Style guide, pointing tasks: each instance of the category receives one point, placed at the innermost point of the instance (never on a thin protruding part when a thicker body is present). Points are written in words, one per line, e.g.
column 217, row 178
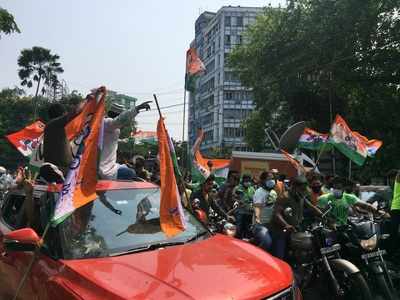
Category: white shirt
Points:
column 265, row 199
column 108, row 167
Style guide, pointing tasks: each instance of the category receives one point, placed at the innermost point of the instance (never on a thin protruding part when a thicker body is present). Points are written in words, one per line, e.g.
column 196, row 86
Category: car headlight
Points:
column 369, row 244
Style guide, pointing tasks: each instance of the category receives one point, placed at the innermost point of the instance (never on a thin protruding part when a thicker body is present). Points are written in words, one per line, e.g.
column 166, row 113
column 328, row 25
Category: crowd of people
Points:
column 257, row 205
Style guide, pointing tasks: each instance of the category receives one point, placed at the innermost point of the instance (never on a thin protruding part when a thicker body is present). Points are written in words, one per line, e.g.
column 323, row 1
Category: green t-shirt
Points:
column 396, row 196
column 340, row 207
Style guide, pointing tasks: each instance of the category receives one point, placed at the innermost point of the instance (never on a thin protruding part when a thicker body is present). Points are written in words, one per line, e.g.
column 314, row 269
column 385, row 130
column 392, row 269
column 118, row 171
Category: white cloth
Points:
column 108, row 168
column 265, row 200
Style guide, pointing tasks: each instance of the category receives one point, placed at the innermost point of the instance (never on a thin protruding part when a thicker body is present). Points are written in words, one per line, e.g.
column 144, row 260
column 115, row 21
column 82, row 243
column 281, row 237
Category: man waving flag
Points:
column 171, row 211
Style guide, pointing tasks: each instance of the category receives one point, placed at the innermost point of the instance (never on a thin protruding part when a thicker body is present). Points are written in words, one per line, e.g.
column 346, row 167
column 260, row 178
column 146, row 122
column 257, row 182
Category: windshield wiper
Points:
column 148, row 248
column 196, row 236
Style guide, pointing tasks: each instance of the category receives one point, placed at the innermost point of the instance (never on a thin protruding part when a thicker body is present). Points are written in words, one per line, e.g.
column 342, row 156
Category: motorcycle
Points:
column 315, row 257
column 360, row 240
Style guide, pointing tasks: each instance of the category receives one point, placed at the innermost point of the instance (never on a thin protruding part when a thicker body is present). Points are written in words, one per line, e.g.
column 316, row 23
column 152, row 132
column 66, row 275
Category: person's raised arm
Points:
column 127, row 116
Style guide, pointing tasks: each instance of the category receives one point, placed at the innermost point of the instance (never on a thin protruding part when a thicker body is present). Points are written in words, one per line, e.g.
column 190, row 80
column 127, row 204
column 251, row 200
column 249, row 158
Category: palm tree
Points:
column 38, row 64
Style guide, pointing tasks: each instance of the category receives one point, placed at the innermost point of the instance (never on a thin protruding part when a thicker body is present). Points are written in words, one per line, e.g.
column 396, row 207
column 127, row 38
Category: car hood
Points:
column 215, row 268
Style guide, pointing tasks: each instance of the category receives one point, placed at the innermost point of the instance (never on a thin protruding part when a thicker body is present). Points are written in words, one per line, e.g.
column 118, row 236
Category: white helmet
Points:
column 2, row 170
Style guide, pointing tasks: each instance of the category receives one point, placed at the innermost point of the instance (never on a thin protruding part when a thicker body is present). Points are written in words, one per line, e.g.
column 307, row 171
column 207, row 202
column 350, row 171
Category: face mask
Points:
column 270, row 184
column 316, row 189
column 337, row 193
column 246, row 184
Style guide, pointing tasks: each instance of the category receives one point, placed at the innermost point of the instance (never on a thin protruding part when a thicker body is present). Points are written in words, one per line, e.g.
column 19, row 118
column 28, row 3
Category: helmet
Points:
column 2, row 170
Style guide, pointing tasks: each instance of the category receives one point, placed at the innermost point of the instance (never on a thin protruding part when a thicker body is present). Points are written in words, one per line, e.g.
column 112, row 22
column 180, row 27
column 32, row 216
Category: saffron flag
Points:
column 293, row 161
column 171, row 211
column 203, row 167
column 27, row 139
column 194, row 66
column 79, row 187
column 313, row 140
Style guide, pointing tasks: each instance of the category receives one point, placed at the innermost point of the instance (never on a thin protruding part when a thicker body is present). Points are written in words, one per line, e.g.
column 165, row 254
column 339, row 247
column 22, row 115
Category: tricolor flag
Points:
column 350, row 143
column 203, row 167
column 145, row 137
column 171, row 212
column 27, row 139
column 313, row 140
column 372, row 145
column 194, row 66
column 79, row 187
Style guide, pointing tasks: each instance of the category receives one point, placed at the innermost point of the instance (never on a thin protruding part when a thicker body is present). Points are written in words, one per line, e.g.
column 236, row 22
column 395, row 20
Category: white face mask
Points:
column 337, row 193
column 246, row 183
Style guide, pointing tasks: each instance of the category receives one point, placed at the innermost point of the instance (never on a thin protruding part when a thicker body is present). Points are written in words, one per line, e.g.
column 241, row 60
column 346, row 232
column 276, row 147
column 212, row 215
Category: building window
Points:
column 227, row 21
column 227, row 39
column 228, row 95
column 239, row 21
column 239, row 39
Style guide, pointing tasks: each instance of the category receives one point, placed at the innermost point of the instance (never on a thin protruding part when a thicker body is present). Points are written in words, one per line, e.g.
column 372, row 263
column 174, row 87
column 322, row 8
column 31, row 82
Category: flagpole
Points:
column 180, row 179
column 349, row 169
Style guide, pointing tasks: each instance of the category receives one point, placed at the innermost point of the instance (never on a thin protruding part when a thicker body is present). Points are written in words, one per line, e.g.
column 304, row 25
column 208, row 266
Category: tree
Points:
column 7, row 23
column 39, row 65
column 313, row 59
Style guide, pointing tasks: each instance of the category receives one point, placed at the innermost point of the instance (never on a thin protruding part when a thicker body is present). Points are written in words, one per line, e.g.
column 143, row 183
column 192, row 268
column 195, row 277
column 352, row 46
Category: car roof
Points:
column 103, row 185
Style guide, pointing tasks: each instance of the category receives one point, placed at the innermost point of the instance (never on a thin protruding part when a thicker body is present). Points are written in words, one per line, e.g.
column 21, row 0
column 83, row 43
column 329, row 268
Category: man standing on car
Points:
column 117, row 118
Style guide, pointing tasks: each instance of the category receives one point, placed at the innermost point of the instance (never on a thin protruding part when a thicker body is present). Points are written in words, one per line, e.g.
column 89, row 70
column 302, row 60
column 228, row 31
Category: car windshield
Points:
column 119, row 221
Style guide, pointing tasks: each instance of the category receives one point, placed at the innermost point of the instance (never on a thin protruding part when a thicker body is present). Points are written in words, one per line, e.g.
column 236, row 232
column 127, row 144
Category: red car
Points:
column 113, row 248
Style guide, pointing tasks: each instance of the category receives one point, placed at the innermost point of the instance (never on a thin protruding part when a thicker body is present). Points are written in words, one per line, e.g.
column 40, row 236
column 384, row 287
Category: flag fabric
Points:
column 194, row 66
column 372, row 145
column 171, row 212
column 313, row 140
column 79, row 187
column 351, row 144
column 27, row 139
column 294, row 162
column 200, row 165
column 145, row 137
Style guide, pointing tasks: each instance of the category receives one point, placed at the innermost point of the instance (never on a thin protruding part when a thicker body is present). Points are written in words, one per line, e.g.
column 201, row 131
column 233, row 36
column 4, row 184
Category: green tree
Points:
column 313, row 59
column 40, row 65
column 7, row 23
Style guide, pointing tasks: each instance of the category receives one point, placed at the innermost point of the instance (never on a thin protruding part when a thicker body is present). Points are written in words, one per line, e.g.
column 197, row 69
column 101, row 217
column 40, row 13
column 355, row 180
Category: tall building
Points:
column 220, row 103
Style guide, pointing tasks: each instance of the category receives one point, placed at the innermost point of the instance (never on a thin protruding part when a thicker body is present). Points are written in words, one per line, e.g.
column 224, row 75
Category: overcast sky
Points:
column 132, row 47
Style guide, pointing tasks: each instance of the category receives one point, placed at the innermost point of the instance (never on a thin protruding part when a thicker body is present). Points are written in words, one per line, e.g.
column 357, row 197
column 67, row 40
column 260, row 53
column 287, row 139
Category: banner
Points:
column 313, row 140
column 27, row 139
column 349, row 143
column 79, row 187
column 171, row 211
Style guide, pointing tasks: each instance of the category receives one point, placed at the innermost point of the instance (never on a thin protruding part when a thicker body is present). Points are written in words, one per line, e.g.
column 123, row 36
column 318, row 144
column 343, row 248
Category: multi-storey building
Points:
column 220, row 103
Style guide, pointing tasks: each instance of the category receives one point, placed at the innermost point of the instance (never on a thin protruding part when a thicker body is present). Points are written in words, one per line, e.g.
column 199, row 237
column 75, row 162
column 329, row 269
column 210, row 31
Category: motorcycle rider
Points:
column 206, row 197
column 341, row 201
column 282, row 225
column 263, row 202
column 243, row 213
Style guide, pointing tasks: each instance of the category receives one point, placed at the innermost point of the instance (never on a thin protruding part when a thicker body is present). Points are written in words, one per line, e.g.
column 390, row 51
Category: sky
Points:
column 133, row 47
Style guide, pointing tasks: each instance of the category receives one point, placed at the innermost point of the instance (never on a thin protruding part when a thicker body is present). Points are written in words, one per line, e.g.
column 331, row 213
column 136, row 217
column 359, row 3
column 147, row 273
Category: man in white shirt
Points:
column 117, row 118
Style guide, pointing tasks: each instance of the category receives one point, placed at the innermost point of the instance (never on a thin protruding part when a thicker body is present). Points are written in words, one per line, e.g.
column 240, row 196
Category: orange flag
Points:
column 171, row 211
column 294, row 162
column 79, row 187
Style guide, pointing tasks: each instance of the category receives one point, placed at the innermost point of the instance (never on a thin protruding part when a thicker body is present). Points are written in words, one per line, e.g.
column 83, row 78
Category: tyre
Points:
column 354, row 285
column 384, row 287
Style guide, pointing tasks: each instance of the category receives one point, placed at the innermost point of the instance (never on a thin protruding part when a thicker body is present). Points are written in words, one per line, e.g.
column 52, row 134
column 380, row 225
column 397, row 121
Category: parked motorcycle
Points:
column 315, row 258
column 360, row 243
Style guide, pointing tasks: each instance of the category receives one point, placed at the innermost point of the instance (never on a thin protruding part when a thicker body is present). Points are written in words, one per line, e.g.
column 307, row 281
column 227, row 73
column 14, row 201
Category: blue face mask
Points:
column 337, row 193
column 270, row 184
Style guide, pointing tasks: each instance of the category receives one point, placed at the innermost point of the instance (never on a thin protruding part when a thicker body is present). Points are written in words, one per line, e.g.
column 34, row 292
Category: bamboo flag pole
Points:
column 180, row 179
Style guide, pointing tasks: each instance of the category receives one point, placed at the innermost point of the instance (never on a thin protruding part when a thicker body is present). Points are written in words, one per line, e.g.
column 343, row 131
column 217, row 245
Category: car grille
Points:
column 287, row 294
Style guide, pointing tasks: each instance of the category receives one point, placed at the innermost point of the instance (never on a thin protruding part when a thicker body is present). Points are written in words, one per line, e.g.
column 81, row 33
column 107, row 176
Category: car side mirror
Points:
column 25, row 239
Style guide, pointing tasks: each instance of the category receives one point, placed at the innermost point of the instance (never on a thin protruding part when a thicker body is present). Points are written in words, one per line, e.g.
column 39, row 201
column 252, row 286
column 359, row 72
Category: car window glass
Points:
column 118, row 221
